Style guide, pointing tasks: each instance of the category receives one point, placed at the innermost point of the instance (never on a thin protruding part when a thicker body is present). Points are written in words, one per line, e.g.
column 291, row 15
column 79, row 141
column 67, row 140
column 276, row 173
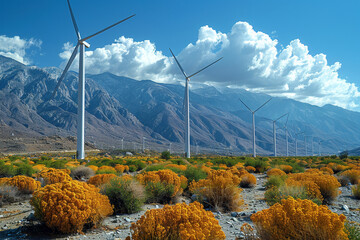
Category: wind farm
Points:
column 118, row 141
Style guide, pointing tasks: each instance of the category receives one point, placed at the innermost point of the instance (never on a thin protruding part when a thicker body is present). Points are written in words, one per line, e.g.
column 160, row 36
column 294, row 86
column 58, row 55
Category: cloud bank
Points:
column 252, row 60
column 15, row 47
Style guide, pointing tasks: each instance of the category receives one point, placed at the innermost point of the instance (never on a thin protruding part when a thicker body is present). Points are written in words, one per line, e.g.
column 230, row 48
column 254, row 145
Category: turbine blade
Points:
column 74, row 22
column 287, row 119
column 280, row 117
column 182, row 70
column 263, row 105
column 84, row 39
column 245, row 105
column 205, row 67
column 73, row 55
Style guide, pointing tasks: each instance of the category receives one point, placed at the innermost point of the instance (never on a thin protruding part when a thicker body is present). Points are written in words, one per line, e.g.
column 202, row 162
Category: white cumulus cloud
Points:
column 15, row 47
column 252, row 60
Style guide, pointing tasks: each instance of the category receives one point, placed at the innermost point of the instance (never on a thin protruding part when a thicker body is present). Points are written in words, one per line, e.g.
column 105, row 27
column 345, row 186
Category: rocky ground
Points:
column 17, row 220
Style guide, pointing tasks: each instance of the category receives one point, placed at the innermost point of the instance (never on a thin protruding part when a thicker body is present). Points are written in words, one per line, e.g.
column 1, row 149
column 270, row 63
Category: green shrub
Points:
column 193, row 173
column 159, row 192
column 127, row 196
column 165, row 155
column 275, row 181
column 106, row 171
column 259, row 163
column 154, row 167
column 6, row 170
column 276, row 194
column 25, row 169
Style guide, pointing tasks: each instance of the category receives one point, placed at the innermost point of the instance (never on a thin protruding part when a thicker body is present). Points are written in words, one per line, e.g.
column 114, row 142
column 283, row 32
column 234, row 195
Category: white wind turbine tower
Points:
column 80, row 153
column 274, row 132
column 186, row 100
column 253, row 122
column 296, row 143
column 286, row 136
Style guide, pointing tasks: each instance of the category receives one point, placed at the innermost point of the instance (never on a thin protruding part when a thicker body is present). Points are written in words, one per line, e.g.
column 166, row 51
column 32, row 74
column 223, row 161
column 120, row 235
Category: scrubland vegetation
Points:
column 70, row 196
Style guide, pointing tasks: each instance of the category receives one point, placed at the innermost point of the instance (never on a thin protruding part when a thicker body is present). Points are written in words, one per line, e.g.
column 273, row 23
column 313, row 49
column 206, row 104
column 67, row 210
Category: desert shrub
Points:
column 121, row 168
column 58, row 164
column 259, row 164
column 93, row 167
column 336, row 167
column 299, row 219
column 327, row 170
column 352, row 229
column 248, row 181
column 154, row 167
column 165, row 155
column 343, row 180
column 353, row 175
column 328, row 185
column 180, row 221
column 286, row 168
column 194, row 174
column 135, row 165
column 69, row 206
column 24, row 169
column 82, row 172
column 127, row 196
column 275, row 181
column 159, row 192
column 166, row 177
column 312, row 189
column 276, row 194
column 106, row 170
column 52, row 175
column 100, row 179
column 9, row 194
column 219, row 190
column 182, row 168
column 6, row 170
column 356, row 191
column 275, row 171
column 250, row 169
column 24, row 184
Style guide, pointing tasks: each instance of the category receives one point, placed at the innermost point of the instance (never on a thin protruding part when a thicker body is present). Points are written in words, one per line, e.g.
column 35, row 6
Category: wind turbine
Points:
column 186, row 99
column 286, row 136
column 253, row 122
column 274, row 132
column 80, row 153
column 296, row 145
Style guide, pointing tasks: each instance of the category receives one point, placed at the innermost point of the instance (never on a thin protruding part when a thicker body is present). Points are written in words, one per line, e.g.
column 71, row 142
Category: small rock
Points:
column 1, row 216
column 234, row 214
column 31, row 217
column 345, row 208
column 4, row 228
column 156, row 206
column 235, row 219
column 127, row 220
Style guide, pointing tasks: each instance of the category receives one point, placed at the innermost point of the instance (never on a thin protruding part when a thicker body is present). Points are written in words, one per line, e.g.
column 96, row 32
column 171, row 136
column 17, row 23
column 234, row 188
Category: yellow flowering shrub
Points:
column 298, row 220
column 68, row 206
column 275, row 171
column 250, row 169
column 100, row 179
column 286, row 168
column 327, row 170
column 39, row 167
column 180, row 221
column 219, row 190
column 206, row 169
column 164, row 176
column 4, row 180
column 248, row 181
column 23, row 183
column 328, row 185
column 121, row 168
column 312, row 189
column 336, row 167
column 53, row 175
column 106, row 169
column 93, row 167
column 353, row 175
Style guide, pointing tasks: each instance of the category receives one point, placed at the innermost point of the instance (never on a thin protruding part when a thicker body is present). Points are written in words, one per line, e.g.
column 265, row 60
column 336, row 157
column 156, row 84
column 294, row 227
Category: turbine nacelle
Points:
column 86, row 44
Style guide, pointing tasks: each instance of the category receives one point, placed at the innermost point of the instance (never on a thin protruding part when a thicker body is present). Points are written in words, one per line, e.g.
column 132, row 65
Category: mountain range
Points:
column 122, row 108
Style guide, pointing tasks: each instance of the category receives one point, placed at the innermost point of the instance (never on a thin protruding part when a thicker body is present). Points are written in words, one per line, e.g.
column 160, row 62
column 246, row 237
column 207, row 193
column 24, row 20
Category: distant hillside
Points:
column 119, row 107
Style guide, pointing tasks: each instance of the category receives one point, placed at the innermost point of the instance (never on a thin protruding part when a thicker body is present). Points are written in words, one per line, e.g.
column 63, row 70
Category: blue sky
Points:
column 322, row 27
